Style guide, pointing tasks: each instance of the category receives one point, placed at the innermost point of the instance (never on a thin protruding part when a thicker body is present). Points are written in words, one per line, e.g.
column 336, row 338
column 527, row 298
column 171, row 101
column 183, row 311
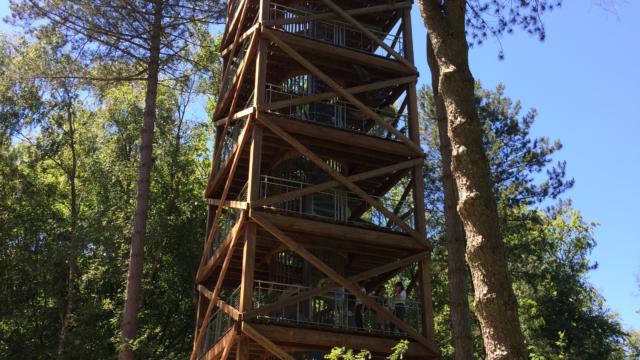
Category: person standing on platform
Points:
column 398, row 301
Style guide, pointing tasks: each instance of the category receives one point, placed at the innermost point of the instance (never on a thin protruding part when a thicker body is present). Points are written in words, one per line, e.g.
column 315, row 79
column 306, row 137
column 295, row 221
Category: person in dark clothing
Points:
column 359, row 311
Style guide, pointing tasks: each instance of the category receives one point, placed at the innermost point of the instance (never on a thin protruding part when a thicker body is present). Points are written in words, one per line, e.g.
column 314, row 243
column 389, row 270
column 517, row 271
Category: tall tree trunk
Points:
column 454, row 230
column 133, row 294
column 74, row 248
column 495, row 302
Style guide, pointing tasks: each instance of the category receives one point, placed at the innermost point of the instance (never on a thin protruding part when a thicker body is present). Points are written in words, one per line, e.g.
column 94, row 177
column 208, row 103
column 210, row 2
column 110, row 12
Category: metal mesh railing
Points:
column 333, row 204
column 229, row 141
column 219, row 323
column 227, row 82
column 335, row 309
column 336, row 113
column 334, row 32
column 228, row 220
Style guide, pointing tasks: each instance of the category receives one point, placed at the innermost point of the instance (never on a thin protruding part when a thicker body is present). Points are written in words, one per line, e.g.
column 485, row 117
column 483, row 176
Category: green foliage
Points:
column 36, row 213
column 398, row 351
column 342, row 353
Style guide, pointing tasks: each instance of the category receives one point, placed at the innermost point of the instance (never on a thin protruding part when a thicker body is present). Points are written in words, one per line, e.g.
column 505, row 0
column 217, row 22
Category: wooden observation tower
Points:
column 316, row 198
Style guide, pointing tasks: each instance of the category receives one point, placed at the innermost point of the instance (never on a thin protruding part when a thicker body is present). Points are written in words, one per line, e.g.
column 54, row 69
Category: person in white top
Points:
column 398, row 301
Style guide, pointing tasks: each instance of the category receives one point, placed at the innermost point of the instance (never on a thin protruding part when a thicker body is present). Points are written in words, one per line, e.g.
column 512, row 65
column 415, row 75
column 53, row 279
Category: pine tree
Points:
column 151, row 37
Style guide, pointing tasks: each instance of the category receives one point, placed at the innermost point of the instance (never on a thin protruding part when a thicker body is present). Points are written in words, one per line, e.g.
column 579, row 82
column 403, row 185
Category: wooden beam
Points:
column 232, row 171
column 248, row 268
column 238, row 115
column 231, row 25
column 227, row 349
column 234, row 46
column 343, row 282
column 215, row 177
column 360, row 236
column 218, row 148
column 396, row 38
column 403, row 197
column 218, row 348
column 338, row 10
column 311, row 339
column 321, row 290
column 340, row 90
column 331, row 136
column 238, row 78
column 225, row 51
column 329, row 15
column 382, row 190
column 331, row 184
column 242, row 205
column 424, row 267
column 221, row 250
column 230, row 310
column 341, row 178
column 331, row 94
column 344, row 54
column 216, row 293
column 265, row 342
column 200, row 309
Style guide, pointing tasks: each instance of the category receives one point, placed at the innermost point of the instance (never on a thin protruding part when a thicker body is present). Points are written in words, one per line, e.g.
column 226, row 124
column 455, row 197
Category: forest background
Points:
column 583, row 98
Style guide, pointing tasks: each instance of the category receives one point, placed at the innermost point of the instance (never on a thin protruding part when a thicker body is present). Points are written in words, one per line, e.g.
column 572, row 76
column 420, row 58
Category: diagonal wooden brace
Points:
column 340, row 280
column 216, row 292
column 321, row 290
column 265, row 342
column 331, row 184
column 331, row 94
column 330, row 14
column 230, row 310
column 234, row 165
column 204, row 272
column 223, row 103
column 227, row 349
column 340, row 90
column 341, row 179
column 338, row 10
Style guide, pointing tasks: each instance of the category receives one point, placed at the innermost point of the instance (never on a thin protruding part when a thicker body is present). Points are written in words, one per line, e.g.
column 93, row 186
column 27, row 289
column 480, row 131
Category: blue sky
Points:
column 584, row 81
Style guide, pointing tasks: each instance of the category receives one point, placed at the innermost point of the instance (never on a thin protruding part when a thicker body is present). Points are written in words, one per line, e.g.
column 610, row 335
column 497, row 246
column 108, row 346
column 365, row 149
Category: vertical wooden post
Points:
column 253, row 183
column 424, row 266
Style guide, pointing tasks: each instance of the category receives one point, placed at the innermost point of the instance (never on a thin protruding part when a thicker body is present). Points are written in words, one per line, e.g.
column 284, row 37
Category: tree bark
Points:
column 74, row 245
column 133, row 292
column 454, row 230
column 495, row 302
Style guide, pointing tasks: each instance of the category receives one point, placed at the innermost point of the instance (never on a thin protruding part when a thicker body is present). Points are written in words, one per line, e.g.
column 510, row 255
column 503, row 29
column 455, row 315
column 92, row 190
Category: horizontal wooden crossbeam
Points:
column 341, row 178
column 340, row 90
column 230, row 310
column 216, row 292
column 331, row 94
column 324, row 289
column 338, row 10
column 331, row 184
column 340, row 280
column 242, row 205
column 242, row 140
column 221, row 251
column 239, row 115
column 265, row 342
column 329, row 15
